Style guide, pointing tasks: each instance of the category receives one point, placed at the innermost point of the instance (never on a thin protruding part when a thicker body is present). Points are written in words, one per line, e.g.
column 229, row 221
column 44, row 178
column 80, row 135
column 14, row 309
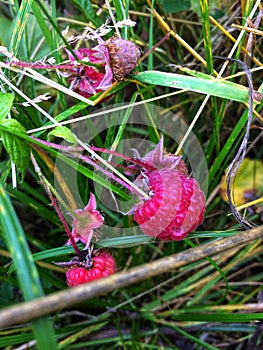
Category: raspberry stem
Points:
column 63, row 66
column 123, row 181
column 47, row 186
column 142, row 163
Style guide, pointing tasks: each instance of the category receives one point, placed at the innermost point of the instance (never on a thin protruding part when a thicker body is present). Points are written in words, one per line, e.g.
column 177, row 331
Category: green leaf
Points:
column 26, row 270
column 18, row 149
column 6, row 30
column 63, row 132
column 6, row 102
column 209, row 85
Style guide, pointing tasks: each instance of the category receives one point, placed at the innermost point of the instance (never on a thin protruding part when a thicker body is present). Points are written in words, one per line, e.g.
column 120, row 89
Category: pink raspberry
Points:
column 103, row 265
column 175, row 207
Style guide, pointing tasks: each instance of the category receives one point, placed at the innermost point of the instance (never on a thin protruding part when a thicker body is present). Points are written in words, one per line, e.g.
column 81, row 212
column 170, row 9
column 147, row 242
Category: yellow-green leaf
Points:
column 249, row 180
column 208, row 85
column 6, row 102
column 17, row 148
column 63, row 132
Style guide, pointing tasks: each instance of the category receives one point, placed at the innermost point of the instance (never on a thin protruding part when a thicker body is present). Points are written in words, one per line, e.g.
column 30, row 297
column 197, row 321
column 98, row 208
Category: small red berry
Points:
column 102, row 265
column 175, row 207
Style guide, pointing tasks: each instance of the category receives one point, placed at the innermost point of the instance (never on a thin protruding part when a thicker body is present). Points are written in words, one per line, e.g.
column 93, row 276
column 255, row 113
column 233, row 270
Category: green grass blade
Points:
column 122, row 14
column 219, row 317
column 42, row 208
column 52, row 39
column 207, row 35
column 123, row 125
column 14, row 339
column 43, row 26
column 119, row 9
column 21, row 21
column 26, row 270
column 209, row 86
column 230, row 144
column 151, row 38
column 188, row 335
column 204, row 6
column 15, row 239
column 212, row 281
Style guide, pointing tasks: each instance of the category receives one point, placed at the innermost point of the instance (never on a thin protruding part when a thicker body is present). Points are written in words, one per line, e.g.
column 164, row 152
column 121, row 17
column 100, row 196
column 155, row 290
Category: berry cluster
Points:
column 174, row 207
column 93, row 70
column 88, row 265
column 175, row 203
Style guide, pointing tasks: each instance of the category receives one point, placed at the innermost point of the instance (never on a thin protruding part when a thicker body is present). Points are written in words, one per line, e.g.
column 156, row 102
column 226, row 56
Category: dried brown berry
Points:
column 124, row 55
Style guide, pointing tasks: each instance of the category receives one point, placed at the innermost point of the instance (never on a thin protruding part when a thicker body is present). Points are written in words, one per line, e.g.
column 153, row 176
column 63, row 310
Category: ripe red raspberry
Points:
column 175, row 207
column 103, row 265
column 124, row 55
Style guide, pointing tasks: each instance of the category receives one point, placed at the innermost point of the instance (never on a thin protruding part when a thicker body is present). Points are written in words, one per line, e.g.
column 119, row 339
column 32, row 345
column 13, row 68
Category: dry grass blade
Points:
column 228, row 35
